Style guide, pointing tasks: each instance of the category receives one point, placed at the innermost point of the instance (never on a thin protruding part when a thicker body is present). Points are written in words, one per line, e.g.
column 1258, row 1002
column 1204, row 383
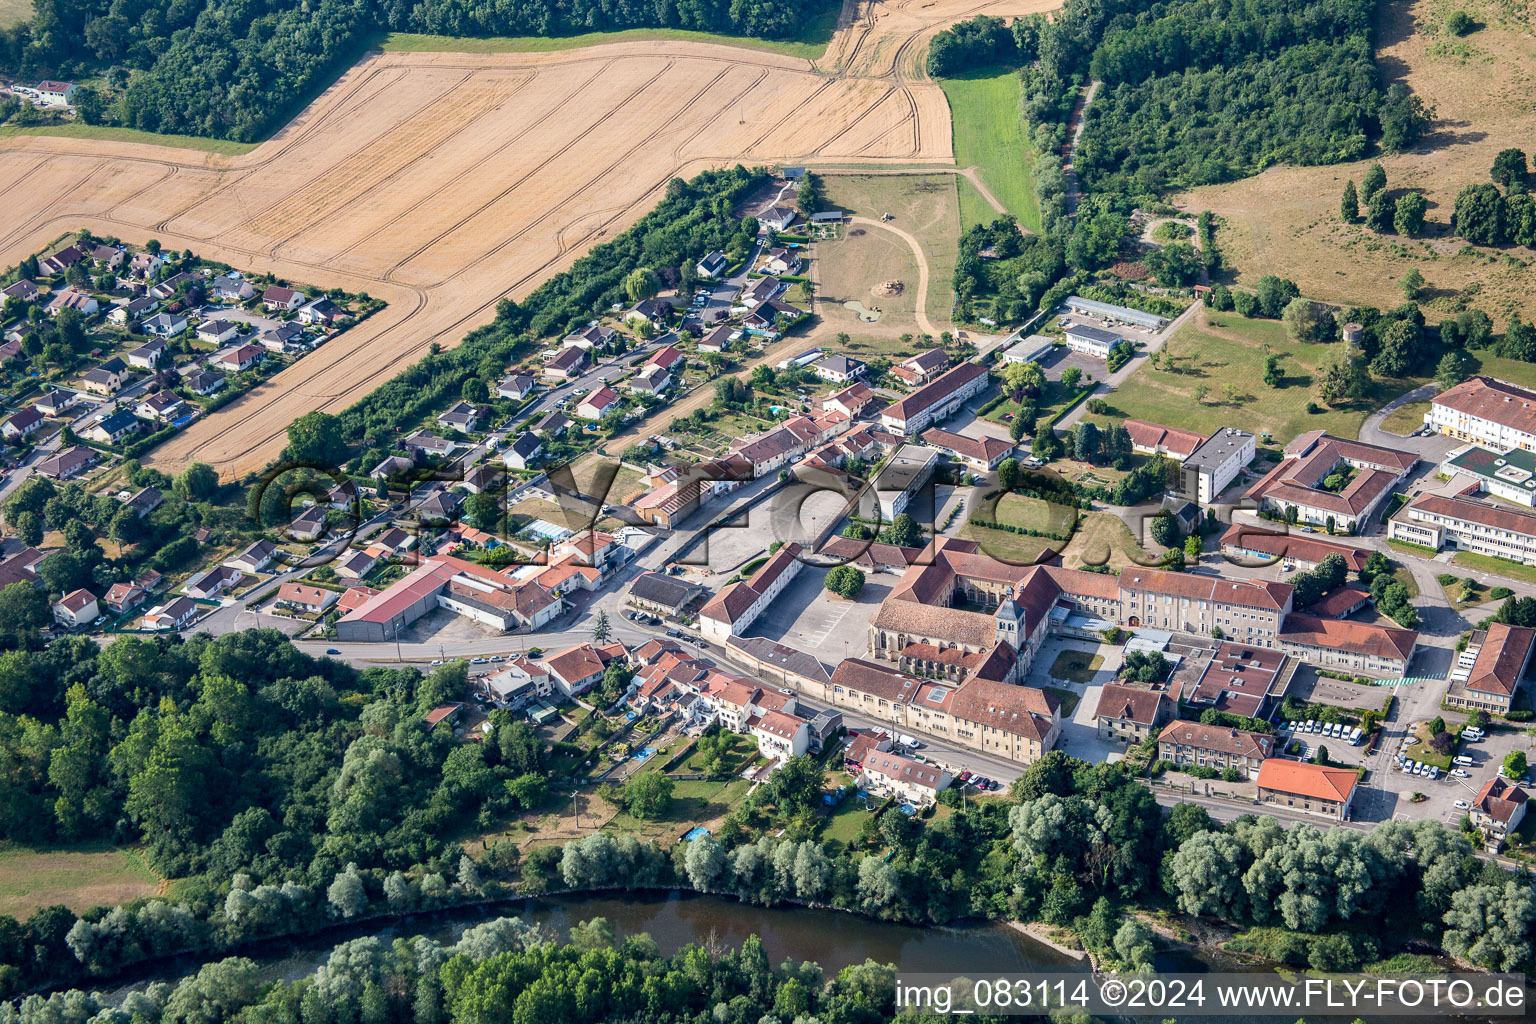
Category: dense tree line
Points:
column 693, row 218
column 1485, row 216
column 241, row 756
column 978, row 43
column 237, row 70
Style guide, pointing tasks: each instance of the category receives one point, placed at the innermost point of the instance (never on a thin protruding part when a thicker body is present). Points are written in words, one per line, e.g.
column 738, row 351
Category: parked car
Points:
column 1462, row 805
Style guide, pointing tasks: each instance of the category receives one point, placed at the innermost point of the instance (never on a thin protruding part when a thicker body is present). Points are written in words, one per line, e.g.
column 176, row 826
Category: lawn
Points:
column 1497, row 566
column 694, row 802
column 810, row 43
column 1013, row 548
column 843, row 824
column 1406, row 418
column 1419, row 749
column 984, row 111
column 80, row 878
column 1402, row 575
column 1453, row 593
column 1035, row 514
column 1076, row 666
column 110, row 133
column 1067, row 698
column 1218, row 381
column 1055, row 401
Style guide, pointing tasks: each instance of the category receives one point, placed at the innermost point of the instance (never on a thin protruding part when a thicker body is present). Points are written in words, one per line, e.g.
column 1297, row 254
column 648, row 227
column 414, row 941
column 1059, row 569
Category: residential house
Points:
column 282, row 339
column 594, row 336
column 921, row 368
column 515, row 386
column 75, row 609
column 254, row 558
column 522, row 451
column 577, row 669
column 58, row 262
column 108, row 256
column 308, row 525
column 555, row 424
column 425, row 444
column 209, row 584
column 780, row 261
column 717, row 340
column 760, row 290
column 315, row 600
column 1313, row 788
column 69, row 463
column 777, row 218
column 56, row 402
column 321, row 312
column 567, row 364
column 713, row 264
column 174, row 614
column 1130, row 714
column 148, row 355
column 358, row 562
column 1218, row 747
column 72, row 298
column 392, row 466
column 598, row 404
column 1498, row 810
column 657, row 311
column 24, row 290
column 463, row 417
column 144, row 501
column 113, row 428
column 218, row 332
column 106, row 379
column 145, row 266
column 850, row 401
column 21, row 424
column 838, row 369
column 910, row 782
column 165, row 325
column 124, row 313
column 230, row 287
column 173, row 285
column 237, row 359
column 203, row 382
column 161, row 407
column 124, row 597
column 652, row 379
column 780, row 736
column 486, row 478
column 58, row 94
column 279, row 298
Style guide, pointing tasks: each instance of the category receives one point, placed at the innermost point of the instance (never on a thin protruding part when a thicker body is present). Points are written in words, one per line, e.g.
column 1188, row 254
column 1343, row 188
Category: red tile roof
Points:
column 1172, row 439
column 1502, row 659
column 1345, row 635
column 1310, row 780
column 1127, row 703
column 1492, row 400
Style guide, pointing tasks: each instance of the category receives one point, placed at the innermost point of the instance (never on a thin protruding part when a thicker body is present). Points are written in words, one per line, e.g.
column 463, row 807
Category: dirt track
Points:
column 441, row 182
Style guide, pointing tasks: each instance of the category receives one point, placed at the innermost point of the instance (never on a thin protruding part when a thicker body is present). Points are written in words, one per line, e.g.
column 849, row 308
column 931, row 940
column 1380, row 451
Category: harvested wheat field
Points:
column 441, row 182
column 1483, row 88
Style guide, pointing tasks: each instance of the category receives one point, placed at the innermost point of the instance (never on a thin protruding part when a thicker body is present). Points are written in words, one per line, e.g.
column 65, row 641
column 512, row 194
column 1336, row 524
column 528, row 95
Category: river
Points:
column 830, row 938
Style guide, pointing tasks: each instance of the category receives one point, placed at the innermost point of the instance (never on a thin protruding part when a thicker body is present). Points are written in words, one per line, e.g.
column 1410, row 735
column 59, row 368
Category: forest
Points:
column 1195, row 93
column 238, row 69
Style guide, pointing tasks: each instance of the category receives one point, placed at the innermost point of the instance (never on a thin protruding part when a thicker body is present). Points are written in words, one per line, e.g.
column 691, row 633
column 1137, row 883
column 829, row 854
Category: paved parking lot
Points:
column 1058, row 360
column 810, row 619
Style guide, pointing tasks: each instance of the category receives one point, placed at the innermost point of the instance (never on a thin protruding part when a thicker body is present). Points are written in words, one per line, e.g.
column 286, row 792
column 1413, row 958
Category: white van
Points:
column 1355, row 736
column 1472, row 732
column 1461, row 759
